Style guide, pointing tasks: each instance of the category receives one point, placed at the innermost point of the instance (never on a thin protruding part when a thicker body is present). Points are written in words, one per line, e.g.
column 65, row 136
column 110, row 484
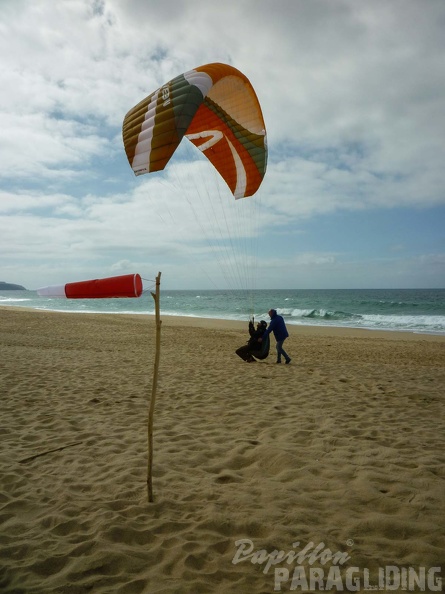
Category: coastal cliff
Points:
column 10, row 287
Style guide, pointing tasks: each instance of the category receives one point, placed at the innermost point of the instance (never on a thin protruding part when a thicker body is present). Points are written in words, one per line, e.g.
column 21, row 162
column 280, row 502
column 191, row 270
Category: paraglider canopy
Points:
column 216, row 108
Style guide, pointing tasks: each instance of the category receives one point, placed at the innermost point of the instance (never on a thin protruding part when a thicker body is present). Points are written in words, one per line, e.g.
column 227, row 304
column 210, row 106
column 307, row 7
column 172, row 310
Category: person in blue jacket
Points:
column 278, row 327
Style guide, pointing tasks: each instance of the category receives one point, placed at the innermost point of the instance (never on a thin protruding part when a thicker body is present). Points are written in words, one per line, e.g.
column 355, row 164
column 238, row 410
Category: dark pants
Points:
column 281, row 351
column 246, row 352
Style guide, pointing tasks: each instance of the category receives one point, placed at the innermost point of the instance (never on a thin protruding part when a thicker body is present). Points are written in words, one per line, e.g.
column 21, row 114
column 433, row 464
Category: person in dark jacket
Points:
column 254, row 346
column 278, row 327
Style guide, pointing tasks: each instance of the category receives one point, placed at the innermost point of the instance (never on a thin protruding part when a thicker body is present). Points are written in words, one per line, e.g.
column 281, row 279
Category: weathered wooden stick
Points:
column 70, row 445
column 151, row 409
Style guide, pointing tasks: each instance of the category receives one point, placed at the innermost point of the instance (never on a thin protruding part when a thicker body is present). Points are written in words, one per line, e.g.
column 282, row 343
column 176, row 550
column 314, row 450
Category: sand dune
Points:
column 344, row 447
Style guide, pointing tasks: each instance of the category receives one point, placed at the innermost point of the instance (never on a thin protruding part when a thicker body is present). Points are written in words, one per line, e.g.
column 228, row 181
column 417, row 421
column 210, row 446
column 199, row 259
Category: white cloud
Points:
column 352, row 94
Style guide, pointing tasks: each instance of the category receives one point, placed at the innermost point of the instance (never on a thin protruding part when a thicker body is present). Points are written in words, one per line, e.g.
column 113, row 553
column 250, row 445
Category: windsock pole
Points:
column 151, row 409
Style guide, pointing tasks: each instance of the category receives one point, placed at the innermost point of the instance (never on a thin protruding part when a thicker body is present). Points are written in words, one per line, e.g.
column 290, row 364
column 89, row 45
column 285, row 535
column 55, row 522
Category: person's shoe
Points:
column 288, row 361
column 278, row 361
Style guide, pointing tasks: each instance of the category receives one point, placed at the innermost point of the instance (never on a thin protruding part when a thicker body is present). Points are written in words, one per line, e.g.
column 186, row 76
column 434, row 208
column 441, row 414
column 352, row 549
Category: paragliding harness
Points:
column 263, row 353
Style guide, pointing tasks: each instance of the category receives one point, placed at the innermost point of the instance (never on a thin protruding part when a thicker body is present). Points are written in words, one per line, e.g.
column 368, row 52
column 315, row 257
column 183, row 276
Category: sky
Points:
column 353, row 97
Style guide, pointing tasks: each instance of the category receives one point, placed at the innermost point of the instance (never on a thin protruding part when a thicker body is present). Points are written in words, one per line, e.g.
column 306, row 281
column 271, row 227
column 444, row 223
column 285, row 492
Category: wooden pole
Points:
column 151, row 409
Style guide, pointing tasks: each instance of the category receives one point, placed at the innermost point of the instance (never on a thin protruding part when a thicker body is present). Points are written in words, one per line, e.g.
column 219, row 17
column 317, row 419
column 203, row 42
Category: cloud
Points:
column 352, row 94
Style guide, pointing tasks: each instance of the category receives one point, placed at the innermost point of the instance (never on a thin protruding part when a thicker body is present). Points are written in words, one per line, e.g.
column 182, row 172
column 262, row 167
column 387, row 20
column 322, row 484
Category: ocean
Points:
column 409, row 310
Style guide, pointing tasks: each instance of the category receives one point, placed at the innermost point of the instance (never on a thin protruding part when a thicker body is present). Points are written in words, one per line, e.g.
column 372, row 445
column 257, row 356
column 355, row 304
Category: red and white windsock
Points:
column 129, row 285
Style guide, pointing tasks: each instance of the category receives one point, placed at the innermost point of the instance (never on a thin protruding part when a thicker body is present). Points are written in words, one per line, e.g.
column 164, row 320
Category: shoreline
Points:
column 225, row 324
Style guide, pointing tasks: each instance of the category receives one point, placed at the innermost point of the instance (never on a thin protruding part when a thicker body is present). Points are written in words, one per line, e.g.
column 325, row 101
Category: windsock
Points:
column 129, row 285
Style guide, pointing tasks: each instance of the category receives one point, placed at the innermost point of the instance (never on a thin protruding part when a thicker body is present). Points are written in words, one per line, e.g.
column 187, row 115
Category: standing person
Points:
column 254, row 347
column 278, row 327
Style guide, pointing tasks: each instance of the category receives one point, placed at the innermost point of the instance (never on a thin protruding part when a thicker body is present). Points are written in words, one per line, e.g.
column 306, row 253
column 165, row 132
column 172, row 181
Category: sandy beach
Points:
column 344, row 449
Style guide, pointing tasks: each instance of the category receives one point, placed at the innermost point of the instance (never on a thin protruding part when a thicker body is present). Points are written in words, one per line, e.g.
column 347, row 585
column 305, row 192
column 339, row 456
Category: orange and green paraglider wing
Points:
column 217, row 109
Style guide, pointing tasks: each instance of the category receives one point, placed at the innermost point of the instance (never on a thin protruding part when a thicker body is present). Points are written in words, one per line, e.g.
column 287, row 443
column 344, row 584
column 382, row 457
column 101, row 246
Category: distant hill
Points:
column 10, row 287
